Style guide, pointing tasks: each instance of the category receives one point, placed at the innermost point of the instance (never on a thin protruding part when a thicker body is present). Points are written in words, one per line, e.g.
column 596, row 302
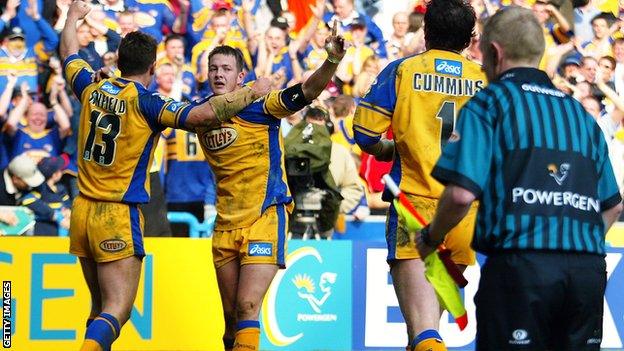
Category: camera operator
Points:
column 337, row 178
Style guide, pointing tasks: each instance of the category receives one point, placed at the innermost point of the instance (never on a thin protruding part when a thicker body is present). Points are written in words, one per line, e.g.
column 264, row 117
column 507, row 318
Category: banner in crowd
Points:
column 177, row 307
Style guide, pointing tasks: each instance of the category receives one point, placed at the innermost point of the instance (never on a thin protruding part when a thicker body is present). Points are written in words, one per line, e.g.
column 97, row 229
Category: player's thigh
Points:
column 584, row 313
column 119, row 281
column 78, row 239
column 518, row 302
column 115, row 231
column 264, row 242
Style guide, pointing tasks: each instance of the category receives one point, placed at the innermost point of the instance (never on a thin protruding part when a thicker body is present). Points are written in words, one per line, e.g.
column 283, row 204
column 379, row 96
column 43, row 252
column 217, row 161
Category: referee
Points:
column 538, row 164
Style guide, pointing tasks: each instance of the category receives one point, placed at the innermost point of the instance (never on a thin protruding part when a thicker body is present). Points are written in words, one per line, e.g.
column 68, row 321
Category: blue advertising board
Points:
column 308, row 304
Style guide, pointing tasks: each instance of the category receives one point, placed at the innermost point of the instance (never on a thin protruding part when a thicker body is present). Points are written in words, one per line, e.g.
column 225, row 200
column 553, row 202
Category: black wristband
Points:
column 426, row 238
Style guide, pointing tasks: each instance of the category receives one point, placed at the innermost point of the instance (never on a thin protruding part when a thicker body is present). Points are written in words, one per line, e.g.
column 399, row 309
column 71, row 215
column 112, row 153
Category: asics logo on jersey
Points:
column 451, row 67
column 109, row 88
column 219, row 139
column 260, row 249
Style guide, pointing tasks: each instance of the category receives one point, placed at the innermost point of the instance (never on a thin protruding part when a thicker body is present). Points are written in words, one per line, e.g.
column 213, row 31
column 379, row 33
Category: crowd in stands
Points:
column 280, row 39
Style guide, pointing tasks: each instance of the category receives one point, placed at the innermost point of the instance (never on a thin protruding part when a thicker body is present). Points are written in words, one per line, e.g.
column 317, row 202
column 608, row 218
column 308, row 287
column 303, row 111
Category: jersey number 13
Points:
column 102, row 153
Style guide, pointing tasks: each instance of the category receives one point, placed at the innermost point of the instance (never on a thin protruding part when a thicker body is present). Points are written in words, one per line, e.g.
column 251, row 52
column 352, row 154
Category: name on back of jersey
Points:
column 107, row 103
column 444, row 84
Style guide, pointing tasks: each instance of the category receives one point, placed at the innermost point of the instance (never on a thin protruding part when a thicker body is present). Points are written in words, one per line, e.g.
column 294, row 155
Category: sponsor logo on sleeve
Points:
column 451, row 67
column 110, row 88
column 175, row 106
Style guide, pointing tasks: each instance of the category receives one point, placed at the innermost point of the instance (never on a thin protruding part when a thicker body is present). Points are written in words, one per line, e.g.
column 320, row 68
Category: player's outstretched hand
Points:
column 78, row 9
column 261, row 87
column 335, row 45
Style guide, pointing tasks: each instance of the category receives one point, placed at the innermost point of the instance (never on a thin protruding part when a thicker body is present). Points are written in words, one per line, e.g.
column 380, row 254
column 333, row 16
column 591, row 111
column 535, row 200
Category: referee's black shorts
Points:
column 535, row 300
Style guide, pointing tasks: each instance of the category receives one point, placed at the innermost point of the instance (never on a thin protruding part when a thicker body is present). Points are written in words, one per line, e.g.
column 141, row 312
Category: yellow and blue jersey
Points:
column 35, row 145
column 418, row 97
column 120, row 123
column 343, row 135
column 246, row 155
column 152, row 15
column 189, row 177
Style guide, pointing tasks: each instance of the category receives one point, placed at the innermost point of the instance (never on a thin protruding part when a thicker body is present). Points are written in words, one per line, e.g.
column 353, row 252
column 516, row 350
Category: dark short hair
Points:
column 316, row 113
column 137, row 52
column 449, row 24
column 229, row 51
column 174, row 36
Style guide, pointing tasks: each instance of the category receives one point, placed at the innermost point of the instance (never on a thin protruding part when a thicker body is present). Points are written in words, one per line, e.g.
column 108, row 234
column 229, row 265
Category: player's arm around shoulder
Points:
column 218, row 109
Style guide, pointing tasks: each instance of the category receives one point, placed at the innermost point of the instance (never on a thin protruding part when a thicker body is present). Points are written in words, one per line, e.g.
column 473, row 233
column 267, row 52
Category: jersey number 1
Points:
column 446, row 115
column 103, row 153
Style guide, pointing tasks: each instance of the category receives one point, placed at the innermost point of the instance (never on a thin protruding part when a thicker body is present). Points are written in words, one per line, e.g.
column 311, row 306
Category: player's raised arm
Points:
column 69, row 39
column 221, row 108
column 335, row 47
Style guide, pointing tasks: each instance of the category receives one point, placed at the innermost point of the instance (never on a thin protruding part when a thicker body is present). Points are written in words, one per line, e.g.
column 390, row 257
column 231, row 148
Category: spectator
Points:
column 343, row 109
column 17, row 58
column 166, row 84
column 399, row 43
column 175, row 56
column 583, row 16
column 345, row 14
column 556, row 28
column 105, row 37
column 113, row 8
column 127, row 23
column 152, row 16
column 363, row 81
column 600, row 43
column 34, row 138
column 618, row 54
column 357, row 53
column 50, row 202
column 273, row 55
column 220, row 32
column 87, row 46
column 19, row 177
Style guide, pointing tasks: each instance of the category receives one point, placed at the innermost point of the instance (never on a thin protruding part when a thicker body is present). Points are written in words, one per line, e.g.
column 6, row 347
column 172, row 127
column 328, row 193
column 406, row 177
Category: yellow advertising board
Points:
column 177, row 307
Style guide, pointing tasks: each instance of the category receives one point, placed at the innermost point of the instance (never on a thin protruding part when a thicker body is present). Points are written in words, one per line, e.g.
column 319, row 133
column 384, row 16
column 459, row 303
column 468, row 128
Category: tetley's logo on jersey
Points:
column 219, row 139
column 451, row 67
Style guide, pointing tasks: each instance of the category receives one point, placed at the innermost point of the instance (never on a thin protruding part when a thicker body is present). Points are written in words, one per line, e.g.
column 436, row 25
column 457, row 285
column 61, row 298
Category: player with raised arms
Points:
column 247, row 157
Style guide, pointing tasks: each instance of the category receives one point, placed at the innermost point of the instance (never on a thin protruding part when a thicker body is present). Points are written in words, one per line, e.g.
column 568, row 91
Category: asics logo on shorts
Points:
column 451, row 67
column 113, row 245
column 260, row 249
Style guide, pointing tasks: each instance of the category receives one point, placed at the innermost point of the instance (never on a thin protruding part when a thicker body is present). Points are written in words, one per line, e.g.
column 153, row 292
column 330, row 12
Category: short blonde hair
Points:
column 518, row 32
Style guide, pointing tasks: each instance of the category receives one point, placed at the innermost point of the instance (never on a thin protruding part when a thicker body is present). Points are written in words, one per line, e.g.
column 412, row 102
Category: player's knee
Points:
column 246, row 309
